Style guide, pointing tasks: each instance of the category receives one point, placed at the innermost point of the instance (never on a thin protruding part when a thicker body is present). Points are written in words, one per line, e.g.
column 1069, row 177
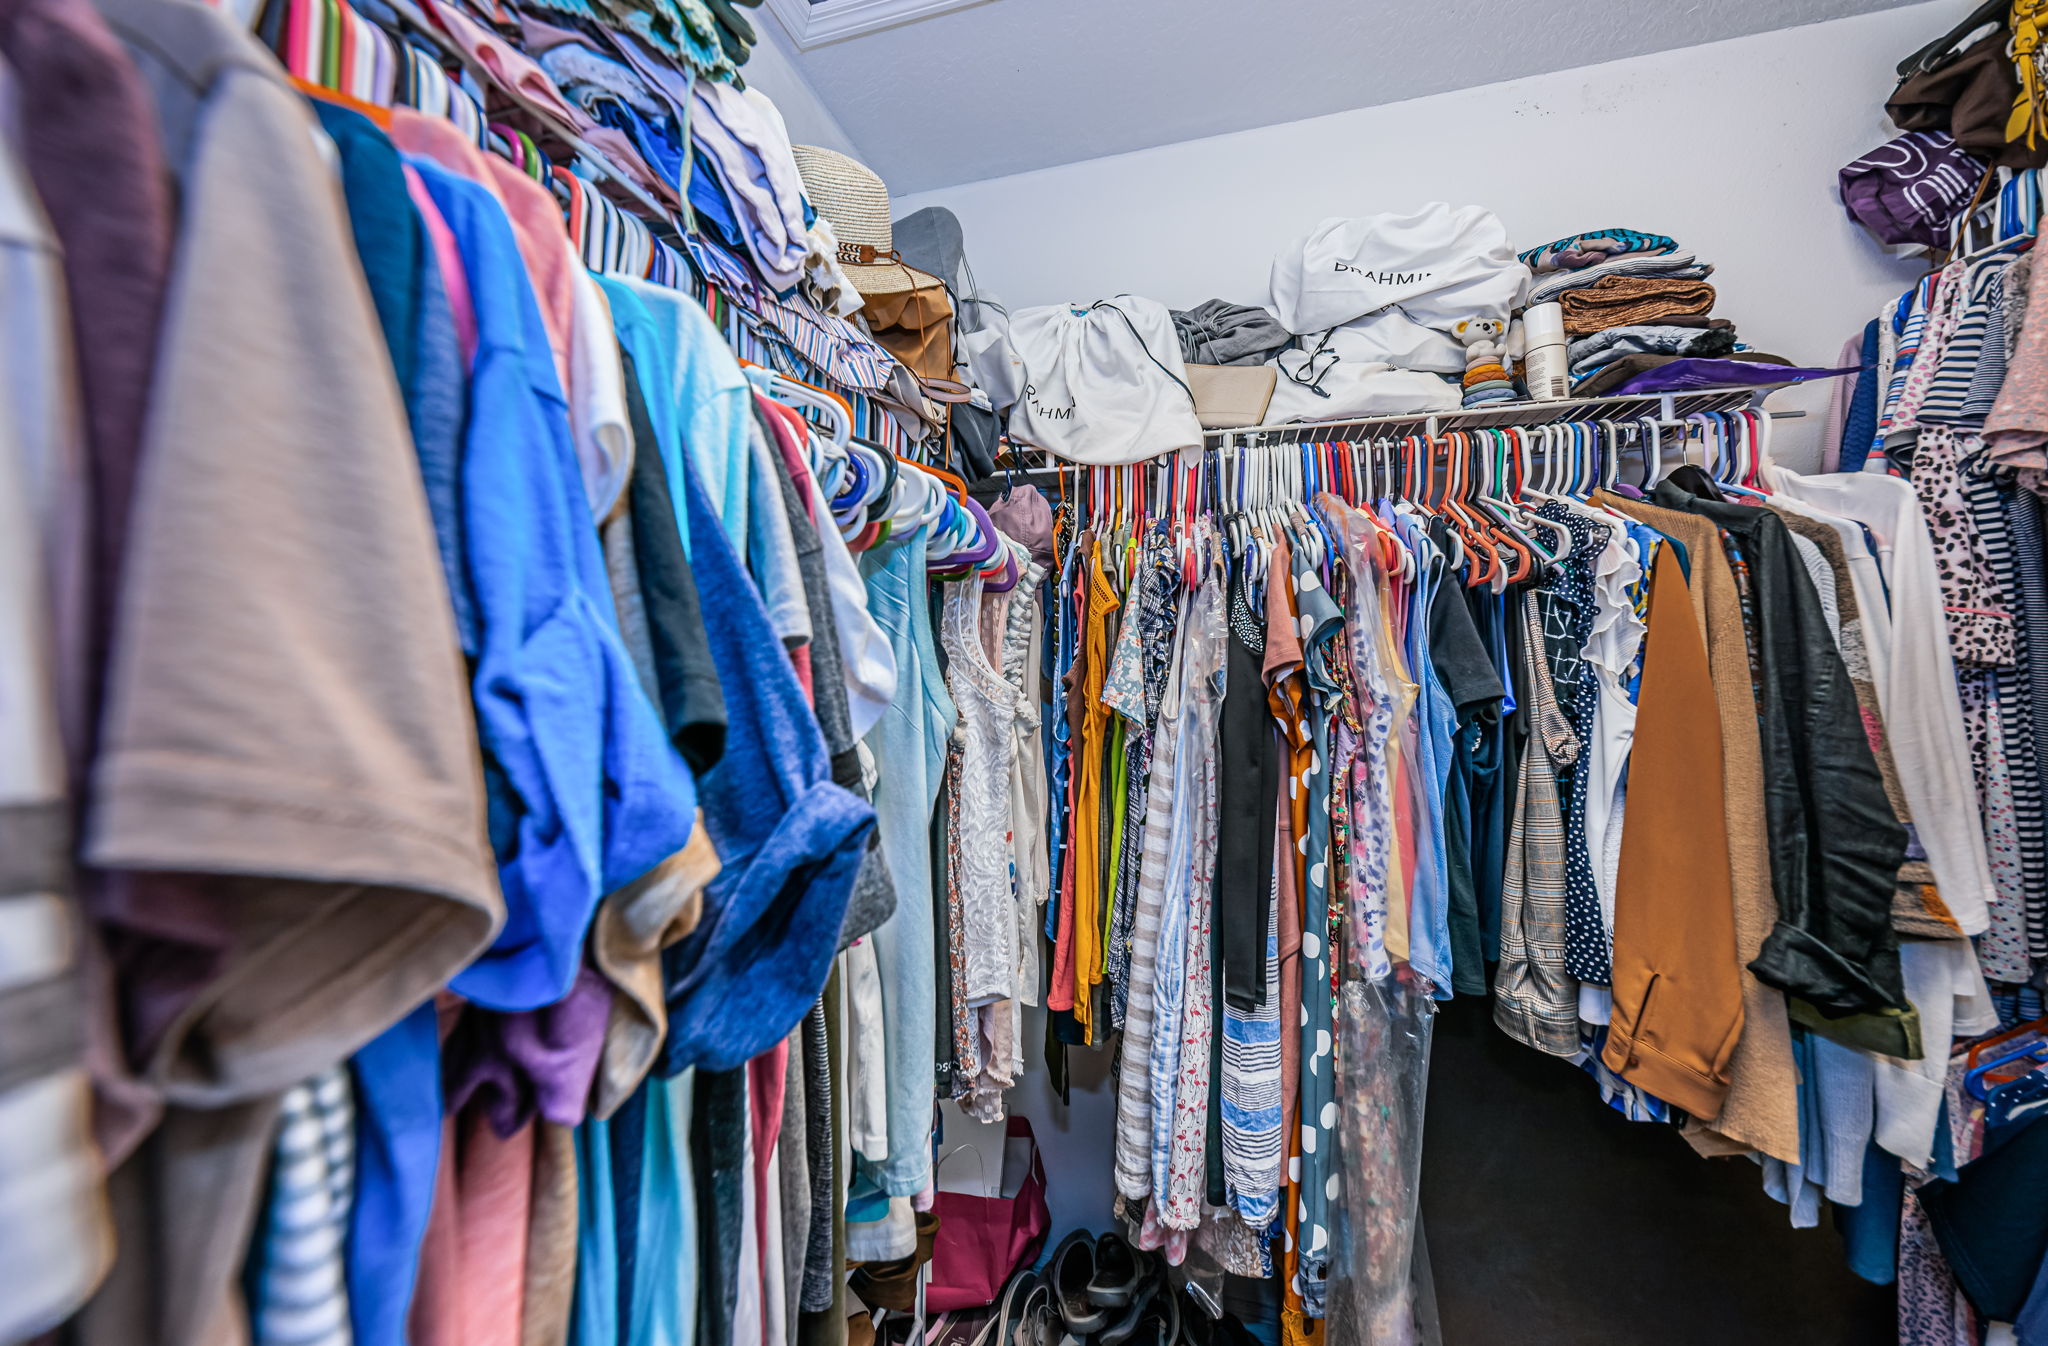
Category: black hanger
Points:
column 1938, row 53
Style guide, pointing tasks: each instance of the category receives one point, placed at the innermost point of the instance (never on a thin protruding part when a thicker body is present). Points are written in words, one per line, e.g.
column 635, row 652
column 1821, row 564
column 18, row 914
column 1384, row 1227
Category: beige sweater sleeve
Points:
column 288, row 714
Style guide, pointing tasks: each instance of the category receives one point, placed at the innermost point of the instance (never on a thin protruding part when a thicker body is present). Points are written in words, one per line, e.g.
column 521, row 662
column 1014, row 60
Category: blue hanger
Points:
column 1973, row 1080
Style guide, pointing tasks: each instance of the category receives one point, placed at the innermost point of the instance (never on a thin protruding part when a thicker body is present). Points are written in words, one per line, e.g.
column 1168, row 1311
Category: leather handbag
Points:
column 1229, row 396
column 915, row 325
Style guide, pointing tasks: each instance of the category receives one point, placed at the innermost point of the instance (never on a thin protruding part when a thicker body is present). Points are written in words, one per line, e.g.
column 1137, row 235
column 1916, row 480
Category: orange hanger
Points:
column 1468, row 526
column 578, row 212
column 959, row 486
column 379, row 115
column 1501, row 544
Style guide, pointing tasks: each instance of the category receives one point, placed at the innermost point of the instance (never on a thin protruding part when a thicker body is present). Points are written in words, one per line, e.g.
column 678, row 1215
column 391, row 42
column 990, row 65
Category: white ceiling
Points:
column 1012, row 85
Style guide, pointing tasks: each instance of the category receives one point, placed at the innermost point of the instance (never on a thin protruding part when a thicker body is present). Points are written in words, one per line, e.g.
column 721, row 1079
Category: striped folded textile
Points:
column 1583, row 250
column 1557, row 283
column 1633, row 301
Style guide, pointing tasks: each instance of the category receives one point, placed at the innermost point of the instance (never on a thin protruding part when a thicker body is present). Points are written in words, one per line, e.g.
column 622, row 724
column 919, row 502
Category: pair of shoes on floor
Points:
column 1104, row 1292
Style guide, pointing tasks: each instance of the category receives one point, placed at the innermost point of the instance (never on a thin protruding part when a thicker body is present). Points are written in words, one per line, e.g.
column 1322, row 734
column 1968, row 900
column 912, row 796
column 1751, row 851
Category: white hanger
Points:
column 838, row 422
column 1551, row 526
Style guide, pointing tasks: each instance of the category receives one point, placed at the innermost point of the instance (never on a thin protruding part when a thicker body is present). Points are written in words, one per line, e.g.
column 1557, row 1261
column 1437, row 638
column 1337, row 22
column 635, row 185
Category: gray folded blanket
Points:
column 1218, row 332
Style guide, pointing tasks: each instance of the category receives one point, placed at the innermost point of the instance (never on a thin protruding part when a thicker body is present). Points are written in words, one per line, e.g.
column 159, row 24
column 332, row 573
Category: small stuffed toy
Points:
column 1486, row 375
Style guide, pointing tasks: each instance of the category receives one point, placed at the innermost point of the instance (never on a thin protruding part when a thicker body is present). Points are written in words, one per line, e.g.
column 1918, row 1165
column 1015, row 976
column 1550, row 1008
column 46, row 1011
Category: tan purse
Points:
column 908, row 311
column 1230, row 396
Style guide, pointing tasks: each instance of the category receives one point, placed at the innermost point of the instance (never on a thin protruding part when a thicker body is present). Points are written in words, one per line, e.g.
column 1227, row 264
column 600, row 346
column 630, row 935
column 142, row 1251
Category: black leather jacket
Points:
column 1835, row 843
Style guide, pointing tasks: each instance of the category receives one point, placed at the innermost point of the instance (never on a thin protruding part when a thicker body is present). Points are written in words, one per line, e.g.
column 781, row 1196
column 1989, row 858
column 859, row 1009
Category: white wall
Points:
column 772, row 68
column 1732, row 148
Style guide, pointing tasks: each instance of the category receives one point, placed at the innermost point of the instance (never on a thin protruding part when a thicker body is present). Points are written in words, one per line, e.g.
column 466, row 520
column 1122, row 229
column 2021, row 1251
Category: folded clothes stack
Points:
column 1679, row 335
column 1631, row 302
column 650, row 87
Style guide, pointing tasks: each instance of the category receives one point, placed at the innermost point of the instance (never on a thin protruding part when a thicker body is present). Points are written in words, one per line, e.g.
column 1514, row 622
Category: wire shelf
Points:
column 1666, row 408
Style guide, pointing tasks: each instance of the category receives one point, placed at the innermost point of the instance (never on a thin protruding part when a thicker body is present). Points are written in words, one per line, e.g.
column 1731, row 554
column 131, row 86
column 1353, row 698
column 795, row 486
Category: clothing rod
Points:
column 1675, row 423
column 1052, row 470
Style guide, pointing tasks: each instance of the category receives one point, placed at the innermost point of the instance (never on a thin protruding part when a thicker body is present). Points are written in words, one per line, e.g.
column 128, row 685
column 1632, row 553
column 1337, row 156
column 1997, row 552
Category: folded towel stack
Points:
column 1633, row 301
column 1630, row 301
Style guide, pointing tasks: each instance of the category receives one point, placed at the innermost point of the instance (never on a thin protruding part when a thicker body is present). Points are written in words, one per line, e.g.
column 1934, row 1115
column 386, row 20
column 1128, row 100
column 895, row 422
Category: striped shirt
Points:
column 1181, row 999
column 1961, row 358
column 1134, row 1167
column 1254, row 1150
column 2030, row 689
column 1905, row 325
column 301, row 1291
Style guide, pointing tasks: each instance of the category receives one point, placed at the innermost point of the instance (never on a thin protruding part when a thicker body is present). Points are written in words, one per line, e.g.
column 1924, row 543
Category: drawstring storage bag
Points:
column 1104, row 382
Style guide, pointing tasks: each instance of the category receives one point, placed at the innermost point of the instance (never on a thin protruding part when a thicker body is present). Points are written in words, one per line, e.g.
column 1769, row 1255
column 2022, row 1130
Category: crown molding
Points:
column 816, row 25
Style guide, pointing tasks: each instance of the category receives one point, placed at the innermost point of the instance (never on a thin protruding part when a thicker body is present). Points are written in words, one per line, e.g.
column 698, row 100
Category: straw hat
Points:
column 850, row 195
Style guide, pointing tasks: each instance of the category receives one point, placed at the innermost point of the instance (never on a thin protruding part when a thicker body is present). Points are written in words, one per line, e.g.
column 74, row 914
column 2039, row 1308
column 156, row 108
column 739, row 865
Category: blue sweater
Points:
column 789, row 839
column 586, row 792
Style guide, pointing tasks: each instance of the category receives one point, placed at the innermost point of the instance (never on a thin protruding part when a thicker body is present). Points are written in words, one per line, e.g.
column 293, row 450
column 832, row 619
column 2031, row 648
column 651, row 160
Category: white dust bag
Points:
column 1392, row 337
column 1350, row 389
column 1104, row 382
column 1440, row 264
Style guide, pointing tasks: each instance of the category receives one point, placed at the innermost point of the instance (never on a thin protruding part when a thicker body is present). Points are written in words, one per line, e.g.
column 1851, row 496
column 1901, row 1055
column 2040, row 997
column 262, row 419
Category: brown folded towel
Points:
column 1629, row 301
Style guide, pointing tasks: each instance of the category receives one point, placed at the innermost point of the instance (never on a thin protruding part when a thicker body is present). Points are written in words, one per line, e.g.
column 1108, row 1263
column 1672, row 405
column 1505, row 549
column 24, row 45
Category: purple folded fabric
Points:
column 1911, row 189
column 536, row 1061
column 1685, row 376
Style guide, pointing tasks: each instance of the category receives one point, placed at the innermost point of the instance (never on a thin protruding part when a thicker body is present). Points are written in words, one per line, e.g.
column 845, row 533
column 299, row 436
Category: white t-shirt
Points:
column 597, row 398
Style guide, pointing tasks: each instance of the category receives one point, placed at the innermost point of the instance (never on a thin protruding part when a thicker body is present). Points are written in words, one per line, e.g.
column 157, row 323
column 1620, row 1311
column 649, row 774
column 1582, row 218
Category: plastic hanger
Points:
column 1468, row 531
column 1489, row 448
column 1653, row 457
column 379, row 115
column 1610, row 474
column 1976, row 1080
column 1187, row 490
column 1759, row 423
column 2002, row 1043
column 1544, row 445
column 1551, row 526
column 1329, row 460
column 1551, row 539
column 795, row 392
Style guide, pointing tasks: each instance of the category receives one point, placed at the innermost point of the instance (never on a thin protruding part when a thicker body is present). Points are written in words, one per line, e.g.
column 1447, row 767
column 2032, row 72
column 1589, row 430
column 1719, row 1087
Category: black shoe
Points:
column 1120, row 1271
column 1150, row 1288
column 1160, row 1324
column 1071, row 1271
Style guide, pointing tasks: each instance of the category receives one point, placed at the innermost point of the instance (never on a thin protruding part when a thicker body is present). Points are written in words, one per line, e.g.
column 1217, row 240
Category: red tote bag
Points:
column 982, row 1240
